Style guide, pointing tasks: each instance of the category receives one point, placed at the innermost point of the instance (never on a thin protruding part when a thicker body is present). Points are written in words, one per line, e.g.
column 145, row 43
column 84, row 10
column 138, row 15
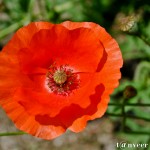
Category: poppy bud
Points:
column 128, row 24
column 129, row 92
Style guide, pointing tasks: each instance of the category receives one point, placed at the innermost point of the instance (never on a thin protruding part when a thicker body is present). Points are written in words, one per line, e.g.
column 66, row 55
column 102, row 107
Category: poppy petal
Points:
column 89, row 50
column 64, row 51
column 109, row 75
column 38, row 100
column 27, row 32
column 27, row 123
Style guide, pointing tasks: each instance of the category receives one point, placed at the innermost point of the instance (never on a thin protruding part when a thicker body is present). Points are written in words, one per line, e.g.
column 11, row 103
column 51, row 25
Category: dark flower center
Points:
column 62, row 80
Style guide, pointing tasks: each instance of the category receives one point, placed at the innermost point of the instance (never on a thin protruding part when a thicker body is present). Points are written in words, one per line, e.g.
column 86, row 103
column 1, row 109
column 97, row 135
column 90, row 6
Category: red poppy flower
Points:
column 57, row 77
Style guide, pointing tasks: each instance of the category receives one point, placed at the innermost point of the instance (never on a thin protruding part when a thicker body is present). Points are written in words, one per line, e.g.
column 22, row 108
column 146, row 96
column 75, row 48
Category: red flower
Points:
column 57, row 77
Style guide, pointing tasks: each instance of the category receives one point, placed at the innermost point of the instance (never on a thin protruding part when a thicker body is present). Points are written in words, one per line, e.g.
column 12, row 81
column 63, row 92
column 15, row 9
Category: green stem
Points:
column 30, row 9
column 15, row 26
column 12, row 133
column 137, row 132
column 128, row 116
column 130, row 104
column 142, row 37
column 143, row 67
column 124, row 114
column 12, row 28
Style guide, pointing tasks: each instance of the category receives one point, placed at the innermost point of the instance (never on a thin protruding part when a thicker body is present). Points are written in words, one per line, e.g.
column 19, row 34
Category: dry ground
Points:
column 96, row 136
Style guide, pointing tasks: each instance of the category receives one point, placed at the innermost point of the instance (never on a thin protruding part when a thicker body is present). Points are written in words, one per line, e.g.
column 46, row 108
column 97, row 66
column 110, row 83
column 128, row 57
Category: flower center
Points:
column 62, row 80
column 60, row 77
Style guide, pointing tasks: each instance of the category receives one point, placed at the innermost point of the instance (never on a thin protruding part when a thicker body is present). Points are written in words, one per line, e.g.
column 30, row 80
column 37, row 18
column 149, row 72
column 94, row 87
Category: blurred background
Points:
column 128, row 115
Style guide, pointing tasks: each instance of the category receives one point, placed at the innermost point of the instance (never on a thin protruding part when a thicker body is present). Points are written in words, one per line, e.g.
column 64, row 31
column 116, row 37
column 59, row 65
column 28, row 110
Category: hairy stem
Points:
column 130, row 104
column 12, row 133
column 128, row 116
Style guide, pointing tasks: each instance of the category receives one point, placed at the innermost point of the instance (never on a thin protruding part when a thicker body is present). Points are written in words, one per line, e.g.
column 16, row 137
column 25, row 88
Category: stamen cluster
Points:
column 61, row 80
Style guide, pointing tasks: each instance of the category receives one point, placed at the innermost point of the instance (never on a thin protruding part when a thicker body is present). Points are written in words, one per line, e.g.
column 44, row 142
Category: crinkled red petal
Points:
column 79, row 48
column 87, row 47
column 109, row 71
